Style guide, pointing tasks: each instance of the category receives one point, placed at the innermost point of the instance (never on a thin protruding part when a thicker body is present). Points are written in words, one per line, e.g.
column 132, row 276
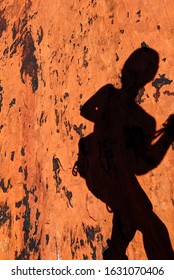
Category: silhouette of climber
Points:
column 120, row 148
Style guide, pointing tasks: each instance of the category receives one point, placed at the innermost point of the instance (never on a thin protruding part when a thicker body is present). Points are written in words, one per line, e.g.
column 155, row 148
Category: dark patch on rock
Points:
column 161, row 81
column 18, row 204
column 116, row 57
column 55, row 162
column 85, row 63
column 68, row 126
column 90, row 21
column 30, row 244
column 85, row 257
column 172, row 201
column 47, row 239
column 57, row 117
column 139, row 98
column 82, row 243
column 4, row 214
column 3, row 187
column 24, row 255
column 14, row 31
column 42, row 119
column 94, row 250
column 5, row 52
column 90, row 234
column 85, row 50
column 158, row 27
column 36, row 228
column 17, row 218
column 40, row 35
column 75, row 244
column 13, row 47
column 20, row 29
column 68, row 194
column 56, row 169
column 35, row 199
column 32, row 191
column 144, row 45
column 37, row 214
column 12, row 156
column 139, row 13
column 26, row 216
column 29, row 61
column 164, row 59
column 81, row 27
column 158, row 83
column 20, row 169
column 1, row 97
column 99, row 237
column 39, row 256
column 34, row 245
column 122, row 31
column 3, row 23
column 23, row 151
column 12, row 102
column 25, row 173
column 79, row 80
column 167, row 92
column 1, row 127
column 66, row 94
column 72, row 241
column 79, row 129
column 56, row 73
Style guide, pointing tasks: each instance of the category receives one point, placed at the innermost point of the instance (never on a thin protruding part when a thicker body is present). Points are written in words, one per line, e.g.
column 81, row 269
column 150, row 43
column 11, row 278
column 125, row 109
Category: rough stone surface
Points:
column 54, row 55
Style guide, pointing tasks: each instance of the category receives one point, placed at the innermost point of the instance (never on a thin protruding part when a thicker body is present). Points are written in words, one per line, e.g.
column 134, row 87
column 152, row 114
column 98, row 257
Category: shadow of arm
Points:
column 156, row 152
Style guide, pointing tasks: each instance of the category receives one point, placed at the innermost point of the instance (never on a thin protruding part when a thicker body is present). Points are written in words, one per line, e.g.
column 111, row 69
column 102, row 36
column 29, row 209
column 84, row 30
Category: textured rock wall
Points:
column 54, row 55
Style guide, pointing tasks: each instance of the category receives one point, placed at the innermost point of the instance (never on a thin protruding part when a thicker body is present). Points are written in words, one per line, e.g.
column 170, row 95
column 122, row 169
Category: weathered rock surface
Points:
column 54, row 55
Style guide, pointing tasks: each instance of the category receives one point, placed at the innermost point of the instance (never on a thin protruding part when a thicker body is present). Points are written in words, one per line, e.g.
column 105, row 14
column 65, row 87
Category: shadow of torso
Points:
column 116, row 148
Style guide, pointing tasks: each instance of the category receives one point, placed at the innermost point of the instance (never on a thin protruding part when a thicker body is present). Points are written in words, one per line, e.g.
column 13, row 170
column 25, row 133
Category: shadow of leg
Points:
column 156, row 239
column 120, row 238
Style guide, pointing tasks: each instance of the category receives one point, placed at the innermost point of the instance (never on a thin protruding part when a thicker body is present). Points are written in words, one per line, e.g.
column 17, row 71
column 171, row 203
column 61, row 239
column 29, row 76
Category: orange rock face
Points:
column 54, row 56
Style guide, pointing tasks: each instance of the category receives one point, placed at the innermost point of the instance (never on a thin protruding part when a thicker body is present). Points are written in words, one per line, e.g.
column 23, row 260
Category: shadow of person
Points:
column 120, row 148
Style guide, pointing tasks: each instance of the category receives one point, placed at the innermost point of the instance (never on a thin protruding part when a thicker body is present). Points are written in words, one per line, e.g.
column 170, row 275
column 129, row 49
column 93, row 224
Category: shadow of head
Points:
column 140, row 68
